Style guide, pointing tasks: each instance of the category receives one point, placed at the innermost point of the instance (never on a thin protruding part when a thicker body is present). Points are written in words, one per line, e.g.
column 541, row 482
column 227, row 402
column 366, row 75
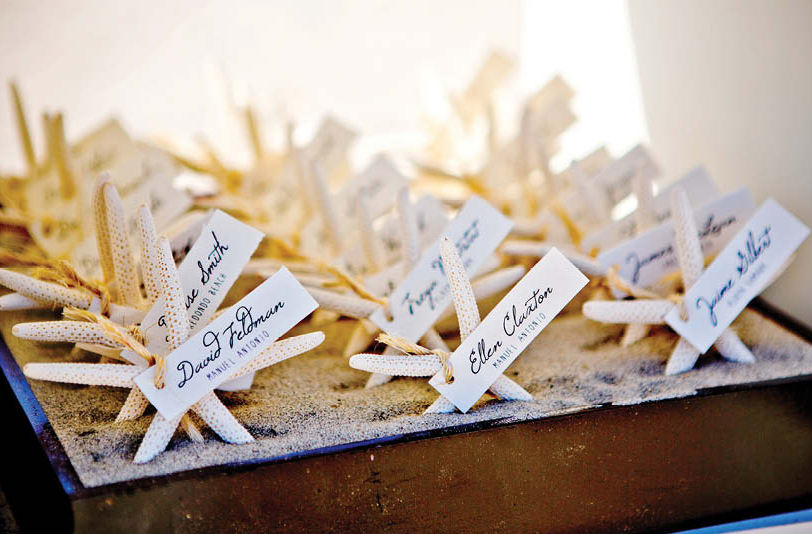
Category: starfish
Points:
column 426, row 362
column 645, row 218
column 209, row 408
column 359, row 308
column 653, row 309
column 118, row 295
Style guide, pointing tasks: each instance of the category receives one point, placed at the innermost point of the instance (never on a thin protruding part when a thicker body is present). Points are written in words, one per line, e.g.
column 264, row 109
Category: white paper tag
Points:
column 424, row 294
column 697, row 184
column 330, row 144
column 644, row 260
column 224, row 346
column 509, row 328
column 738, row 274
column 209, row 270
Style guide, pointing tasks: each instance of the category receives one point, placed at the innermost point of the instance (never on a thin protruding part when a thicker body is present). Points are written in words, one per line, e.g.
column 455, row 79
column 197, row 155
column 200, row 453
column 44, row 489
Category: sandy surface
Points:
column 317, row 400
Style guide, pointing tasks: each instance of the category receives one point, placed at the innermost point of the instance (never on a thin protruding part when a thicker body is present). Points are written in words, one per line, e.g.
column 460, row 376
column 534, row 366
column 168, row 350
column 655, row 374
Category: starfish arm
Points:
column 326, row 208
column 156, row 439
column 634, row 333
column 644, row 215
column 407, row 226
column 123, row 265
column 432, row 340
column 683, row 358
column 149, row 266
column 348, row 305
column 89, row 374
column 370, row 241
column 397, row 364
column 63, row 331
column 463, row 294
column 102, row 230
column 361, row 337
column 15, row 302
column 527, row 227
column 490, row 285
column 507, row 389
column 45, row 292
column 689, row 249
column 282, row 350
column 377, row 379
column 177, row 319
column 217, row 416
column 133, row 407
column 628, row 311
column 731, row 347
column 441, row 405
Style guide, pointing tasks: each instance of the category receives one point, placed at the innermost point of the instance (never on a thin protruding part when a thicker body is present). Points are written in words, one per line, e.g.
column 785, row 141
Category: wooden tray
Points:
column 726, row 454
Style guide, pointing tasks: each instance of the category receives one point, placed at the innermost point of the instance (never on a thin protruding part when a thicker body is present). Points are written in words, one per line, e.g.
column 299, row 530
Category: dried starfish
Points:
column 427, row 362
column 365, row 332
column 645, row 218
column 209, row 408
column 648, row 312
column 119, row 290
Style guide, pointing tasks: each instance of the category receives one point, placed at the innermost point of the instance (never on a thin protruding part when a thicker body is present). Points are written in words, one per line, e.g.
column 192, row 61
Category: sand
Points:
column 317, row 400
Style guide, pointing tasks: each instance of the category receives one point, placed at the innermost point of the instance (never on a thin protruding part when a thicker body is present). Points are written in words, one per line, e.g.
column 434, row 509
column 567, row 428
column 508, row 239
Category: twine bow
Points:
column 407, row 347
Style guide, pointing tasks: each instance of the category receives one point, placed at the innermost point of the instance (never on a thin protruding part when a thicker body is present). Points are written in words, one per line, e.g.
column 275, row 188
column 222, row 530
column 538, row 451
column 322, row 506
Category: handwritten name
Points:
column 241, row 328
column 754, row 247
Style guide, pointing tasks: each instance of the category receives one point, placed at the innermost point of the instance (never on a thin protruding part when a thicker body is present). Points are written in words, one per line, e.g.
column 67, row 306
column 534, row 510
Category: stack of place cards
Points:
column 749, row 262
column 419, row 300
column 228, row 343
column 509, row 328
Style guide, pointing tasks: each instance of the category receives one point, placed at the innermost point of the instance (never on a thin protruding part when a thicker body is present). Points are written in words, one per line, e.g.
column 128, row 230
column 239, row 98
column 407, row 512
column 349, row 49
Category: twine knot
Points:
column 407, row 347
column 131, row 338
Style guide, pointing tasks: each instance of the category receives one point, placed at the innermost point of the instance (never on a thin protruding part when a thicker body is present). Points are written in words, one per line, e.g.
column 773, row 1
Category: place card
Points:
column 424, row 294
column 431, row 216
column 378, row 184
column 697, row 184
column 206, row 274
column 330, row 144
column 616, row 178
column 221, row 348
column 646, row 259
column 509, row 328
column 738, row 274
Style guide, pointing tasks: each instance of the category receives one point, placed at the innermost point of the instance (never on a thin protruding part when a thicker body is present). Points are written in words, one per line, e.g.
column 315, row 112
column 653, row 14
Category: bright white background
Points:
column 727, row 83
column 170, row 68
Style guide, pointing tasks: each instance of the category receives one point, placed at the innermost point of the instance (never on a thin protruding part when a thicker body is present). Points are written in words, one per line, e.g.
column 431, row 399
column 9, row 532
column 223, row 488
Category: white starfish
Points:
column 209, row 408
column 365, row 332
column 645, row 218
column 120, row 287
column 430, row 362
column 648, row 312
